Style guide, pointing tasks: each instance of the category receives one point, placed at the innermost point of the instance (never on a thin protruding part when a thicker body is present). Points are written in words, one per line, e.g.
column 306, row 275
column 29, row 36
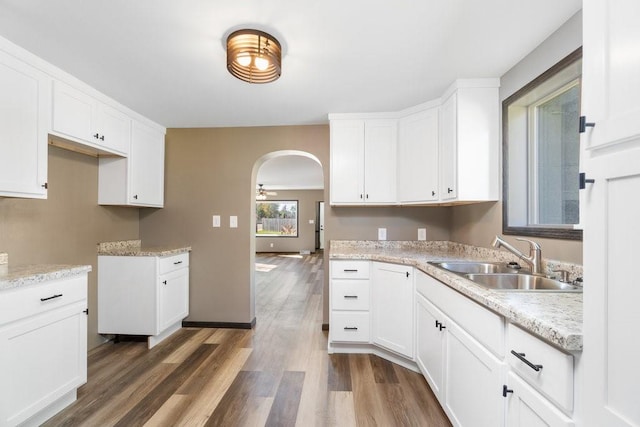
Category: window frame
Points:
column 279, row 236
column 567, row 232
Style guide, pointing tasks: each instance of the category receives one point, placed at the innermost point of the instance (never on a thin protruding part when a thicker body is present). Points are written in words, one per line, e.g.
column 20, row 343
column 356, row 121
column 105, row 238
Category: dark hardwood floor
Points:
column 278, row 374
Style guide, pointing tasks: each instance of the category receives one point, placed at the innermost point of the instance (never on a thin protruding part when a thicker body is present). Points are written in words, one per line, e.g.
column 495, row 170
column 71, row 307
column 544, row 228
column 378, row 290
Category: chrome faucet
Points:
column 535, row 253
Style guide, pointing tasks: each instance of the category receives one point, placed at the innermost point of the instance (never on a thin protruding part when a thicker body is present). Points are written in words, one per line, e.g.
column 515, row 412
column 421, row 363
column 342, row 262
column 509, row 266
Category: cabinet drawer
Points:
column 27, row 301
column 171, row 263
column 347, row 269
column 554, row 378
column 481, row 323
column 350, row 294
column 349, row 326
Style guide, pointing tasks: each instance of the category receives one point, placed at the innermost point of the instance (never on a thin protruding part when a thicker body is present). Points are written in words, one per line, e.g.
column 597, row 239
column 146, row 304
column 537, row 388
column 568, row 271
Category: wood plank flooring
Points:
column 278, row 374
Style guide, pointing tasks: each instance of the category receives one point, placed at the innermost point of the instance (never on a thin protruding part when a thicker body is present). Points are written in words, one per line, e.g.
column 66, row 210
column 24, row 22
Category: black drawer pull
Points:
column 52, row 297
column 177, row 262
column 506, row 390
column 351, row 296
column 350, row 328
column 521, row 357
column 346, row 270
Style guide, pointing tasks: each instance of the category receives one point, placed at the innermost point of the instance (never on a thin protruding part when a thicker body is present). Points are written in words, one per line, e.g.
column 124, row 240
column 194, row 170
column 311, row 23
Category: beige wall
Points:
column 306, row 240
column 478, row 224
column 65, row 228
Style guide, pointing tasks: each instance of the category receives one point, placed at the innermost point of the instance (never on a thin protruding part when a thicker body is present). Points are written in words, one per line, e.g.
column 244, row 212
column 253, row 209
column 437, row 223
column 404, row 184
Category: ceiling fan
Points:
column 262, row 193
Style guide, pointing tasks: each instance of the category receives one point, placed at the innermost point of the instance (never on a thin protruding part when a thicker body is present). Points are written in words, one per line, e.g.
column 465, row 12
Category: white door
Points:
column 347, row 161
column 321, row 225
column 380, row 137
column 430, row 330
column 146, row 166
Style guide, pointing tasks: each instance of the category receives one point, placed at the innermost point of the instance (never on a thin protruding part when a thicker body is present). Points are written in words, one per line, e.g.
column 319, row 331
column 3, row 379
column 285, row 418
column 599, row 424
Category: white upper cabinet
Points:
column 25, row 97
column 610, row 70
column 363, row 154
column 418, row 137
column 82, row 118
column 470, row 142
column 139, row 179
column 435, row 153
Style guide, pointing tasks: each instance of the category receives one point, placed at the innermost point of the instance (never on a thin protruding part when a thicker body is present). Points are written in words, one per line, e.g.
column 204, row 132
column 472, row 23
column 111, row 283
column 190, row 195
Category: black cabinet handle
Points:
column 45, row 185
column 521, row 357
column 96, row 136
column 86, row 311
column 165, row 282
column 101, row 137
column 449, row 190
column 442, row 327
column 583, row 181
column 51, row 297
column 361, row 196
column 347, row 270
column 177, row 262
column 506, row 390
column 433, row 193
column 583, row 125
column 367, row 195
column 135, row 196
column 350, row 328
column 351, row 296
column 407, row 274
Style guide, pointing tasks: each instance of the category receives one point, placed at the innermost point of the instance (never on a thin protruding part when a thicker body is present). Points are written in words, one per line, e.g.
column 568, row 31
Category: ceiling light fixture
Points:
column 254, row 56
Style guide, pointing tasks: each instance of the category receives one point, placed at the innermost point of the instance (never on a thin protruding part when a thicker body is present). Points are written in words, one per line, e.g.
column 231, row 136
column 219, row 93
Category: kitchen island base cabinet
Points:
column 143, row 295
column 43, row 357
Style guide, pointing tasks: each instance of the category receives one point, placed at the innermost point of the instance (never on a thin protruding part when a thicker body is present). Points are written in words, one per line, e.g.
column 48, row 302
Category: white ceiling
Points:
column 166, row 59
column 291, row 172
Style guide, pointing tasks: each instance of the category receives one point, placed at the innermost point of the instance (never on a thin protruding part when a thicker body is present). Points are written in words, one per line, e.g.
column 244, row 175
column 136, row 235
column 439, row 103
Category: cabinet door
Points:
column 43, row 357
column 474, row 379
column 115, row 129
column 74, row 113
column 448, row 149
column 611, row 66
column 430, row 343
column 380, row 137
column 347, row 161
column 392, row 307
column 25, row 104
column 146, row 166
column 611, row 315
column 527, row 408
column 418, row 157
column 173, row 291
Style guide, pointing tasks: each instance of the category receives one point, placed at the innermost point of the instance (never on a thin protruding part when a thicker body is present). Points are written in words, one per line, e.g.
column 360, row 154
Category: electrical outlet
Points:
column 270, row 245
column 233, row 221
column 216, row 220
column 422, row 234
column 382, row 234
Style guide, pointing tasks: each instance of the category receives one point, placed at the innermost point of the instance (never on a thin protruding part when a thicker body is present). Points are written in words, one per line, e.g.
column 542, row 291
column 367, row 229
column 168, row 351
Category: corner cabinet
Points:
column 143, row 295
column 25, row 102
column 363, row 161
column 137, row 180
column 392, row 307
column 43, row 337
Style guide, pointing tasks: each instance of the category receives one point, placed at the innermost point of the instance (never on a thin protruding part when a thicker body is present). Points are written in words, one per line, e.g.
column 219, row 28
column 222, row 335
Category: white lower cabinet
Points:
column 528, row 408
column 392, row 307
column 143, row 295
column 43, row 342
column 464, row 375
column 349, row 303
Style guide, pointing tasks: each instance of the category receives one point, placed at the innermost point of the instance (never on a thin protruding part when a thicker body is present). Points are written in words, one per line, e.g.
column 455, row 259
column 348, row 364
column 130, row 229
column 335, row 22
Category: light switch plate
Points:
column 216, row 220
column 312, row 221
column 233, row 221
column 382, row 234
column 422, row 234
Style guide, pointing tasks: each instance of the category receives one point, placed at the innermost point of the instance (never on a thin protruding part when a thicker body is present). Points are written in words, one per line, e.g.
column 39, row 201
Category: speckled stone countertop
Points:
column 556, row 317
column 26, row 275
column 135, row 248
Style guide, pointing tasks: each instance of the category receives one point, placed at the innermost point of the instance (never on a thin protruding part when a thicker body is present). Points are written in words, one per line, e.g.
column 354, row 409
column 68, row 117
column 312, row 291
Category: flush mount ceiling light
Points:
column 254, row 56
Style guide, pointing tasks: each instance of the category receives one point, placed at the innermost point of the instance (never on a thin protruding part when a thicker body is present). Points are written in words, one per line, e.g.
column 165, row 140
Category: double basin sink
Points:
column 505, row 277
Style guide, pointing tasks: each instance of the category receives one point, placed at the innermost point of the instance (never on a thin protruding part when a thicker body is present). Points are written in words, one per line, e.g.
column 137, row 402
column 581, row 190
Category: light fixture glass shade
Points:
column 254, row 56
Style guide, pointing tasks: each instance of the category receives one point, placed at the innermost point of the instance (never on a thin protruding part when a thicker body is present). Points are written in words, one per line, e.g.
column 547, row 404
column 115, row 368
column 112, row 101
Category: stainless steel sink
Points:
column 476, row 267
column 521, row 282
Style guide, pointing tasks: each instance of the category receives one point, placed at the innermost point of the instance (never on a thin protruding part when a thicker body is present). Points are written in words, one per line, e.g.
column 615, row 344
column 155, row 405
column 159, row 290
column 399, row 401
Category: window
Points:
column 541, row 152
column 277, row 218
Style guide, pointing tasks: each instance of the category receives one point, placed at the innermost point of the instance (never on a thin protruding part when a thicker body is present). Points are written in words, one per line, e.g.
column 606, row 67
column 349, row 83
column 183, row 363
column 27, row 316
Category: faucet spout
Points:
column 534, row 259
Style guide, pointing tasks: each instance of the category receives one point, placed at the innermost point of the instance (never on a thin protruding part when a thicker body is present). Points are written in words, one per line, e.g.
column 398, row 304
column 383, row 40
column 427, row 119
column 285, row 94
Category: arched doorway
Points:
column 296, row 178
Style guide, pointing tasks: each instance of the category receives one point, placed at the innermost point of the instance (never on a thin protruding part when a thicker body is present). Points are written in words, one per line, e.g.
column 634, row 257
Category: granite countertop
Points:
column 12, row 277
column 556, row 317
column 135, row 248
